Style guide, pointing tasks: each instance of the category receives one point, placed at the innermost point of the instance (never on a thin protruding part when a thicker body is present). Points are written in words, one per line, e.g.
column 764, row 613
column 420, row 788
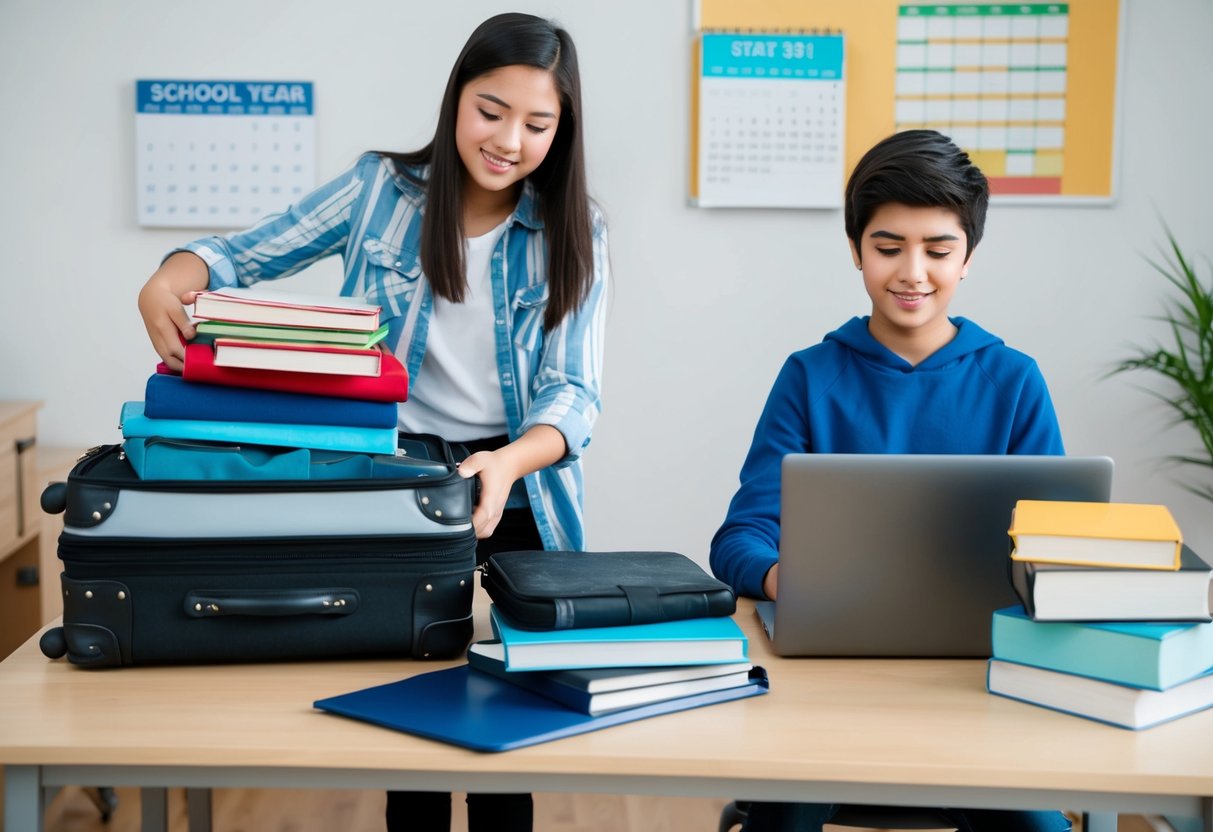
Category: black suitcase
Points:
column 158, row 571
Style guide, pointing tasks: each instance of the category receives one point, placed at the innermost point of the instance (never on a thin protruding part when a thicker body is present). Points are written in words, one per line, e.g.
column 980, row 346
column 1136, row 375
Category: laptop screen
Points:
column 907, row 554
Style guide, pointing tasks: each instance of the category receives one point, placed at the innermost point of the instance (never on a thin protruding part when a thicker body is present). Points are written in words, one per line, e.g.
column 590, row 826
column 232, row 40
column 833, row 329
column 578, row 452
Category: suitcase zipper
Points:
column 211, row 552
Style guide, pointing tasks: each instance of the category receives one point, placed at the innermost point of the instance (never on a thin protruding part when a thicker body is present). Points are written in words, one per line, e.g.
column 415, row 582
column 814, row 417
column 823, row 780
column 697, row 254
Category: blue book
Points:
column 715, row 640
column 464, row 707
column 1142, row 654
column 1120, row 705
column 172, row 397
column 600, row 690
column 136, row 425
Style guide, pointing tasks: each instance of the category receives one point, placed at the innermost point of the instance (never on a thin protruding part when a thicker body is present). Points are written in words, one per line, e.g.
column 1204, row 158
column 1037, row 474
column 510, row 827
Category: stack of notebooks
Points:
column 529, row 686
column 273, row 370
column 1117, row 616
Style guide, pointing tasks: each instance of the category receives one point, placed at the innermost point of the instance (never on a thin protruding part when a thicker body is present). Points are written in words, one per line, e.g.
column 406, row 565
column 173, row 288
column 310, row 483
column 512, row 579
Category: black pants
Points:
column 431, row 811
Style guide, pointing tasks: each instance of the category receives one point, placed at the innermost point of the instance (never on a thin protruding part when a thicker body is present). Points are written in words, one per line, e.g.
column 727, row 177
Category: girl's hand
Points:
column 496, row 479
column 539, row 447
column 162, row 301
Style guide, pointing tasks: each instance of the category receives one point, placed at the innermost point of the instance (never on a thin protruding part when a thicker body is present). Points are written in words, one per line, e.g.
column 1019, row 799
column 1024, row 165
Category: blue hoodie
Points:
column 851, row 394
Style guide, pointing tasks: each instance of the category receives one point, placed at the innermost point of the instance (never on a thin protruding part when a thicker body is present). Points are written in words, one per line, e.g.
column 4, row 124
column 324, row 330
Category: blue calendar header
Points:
column 225, row 98
column 772, row 56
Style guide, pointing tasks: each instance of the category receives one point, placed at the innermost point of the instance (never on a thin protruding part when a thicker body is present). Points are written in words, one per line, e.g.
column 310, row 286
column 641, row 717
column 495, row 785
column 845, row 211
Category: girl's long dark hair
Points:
column 509, row 40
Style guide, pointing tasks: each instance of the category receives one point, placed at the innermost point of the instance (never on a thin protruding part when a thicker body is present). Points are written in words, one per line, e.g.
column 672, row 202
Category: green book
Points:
column 208, row 331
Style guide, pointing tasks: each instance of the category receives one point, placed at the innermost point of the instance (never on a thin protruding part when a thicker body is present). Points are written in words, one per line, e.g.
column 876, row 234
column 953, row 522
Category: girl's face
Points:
column 505, row 125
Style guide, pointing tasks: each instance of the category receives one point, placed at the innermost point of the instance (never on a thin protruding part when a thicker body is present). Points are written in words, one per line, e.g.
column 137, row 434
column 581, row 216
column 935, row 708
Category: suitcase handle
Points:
column 214, row 603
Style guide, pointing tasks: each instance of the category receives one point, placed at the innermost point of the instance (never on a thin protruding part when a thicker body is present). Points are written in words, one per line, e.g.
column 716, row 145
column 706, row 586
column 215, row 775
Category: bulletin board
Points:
column 1029, row 90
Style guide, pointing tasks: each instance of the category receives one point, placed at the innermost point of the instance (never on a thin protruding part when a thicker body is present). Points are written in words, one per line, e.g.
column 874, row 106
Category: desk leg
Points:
column 1099, row 822
column 198, row 805
column 1206, row 809
column 22, row 797
column 155, row 809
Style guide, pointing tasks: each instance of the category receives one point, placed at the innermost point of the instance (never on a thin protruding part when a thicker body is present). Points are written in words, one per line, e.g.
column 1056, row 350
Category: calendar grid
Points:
column 770, row 120
column 994, row 78
column 221, row 154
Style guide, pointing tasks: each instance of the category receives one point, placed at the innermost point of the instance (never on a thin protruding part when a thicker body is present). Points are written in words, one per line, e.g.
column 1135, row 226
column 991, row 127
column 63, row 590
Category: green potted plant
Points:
column 1186, row 363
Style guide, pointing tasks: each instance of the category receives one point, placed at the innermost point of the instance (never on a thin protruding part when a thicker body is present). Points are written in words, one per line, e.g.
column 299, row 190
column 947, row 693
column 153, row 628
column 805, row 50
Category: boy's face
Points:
column 912, row 259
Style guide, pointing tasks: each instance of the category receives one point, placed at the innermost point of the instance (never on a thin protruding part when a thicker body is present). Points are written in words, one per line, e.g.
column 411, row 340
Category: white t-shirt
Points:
column 457, row 392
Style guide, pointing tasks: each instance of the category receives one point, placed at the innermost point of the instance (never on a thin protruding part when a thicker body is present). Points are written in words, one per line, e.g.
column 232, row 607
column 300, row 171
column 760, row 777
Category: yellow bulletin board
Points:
column 1029, row 90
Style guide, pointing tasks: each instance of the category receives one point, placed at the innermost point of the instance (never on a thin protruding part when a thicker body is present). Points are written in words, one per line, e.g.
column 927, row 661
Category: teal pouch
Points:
column 162, row 458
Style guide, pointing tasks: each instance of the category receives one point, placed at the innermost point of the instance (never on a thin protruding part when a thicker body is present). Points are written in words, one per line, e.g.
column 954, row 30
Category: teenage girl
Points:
column 490, row 263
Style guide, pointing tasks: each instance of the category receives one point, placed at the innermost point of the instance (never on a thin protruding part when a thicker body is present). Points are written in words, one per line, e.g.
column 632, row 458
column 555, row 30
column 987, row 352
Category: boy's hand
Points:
column 770, row 583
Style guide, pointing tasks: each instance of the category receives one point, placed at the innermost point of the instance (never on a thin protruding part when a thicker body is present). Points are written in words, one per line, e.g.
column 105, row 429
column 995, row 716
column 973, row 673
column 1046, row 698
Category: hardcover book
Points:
column 391, row 385
column 715, row 640
column 1147, row 655
column 297, row 357
column 269, row 306
column 1062, row 592
column 172, row 397
column 1120, row 705
column 135, row 424
column 1135, row 535
column 602, row 690
column 208, row 331
column 463, row 707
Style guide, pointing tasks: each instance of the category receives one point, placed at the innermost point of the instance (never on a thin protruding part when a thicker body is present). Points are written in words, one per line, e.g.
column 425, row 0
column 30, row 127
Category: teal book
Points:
column 715, row 640
column 1119, row 705
column 136, row 425
column 1141, row 654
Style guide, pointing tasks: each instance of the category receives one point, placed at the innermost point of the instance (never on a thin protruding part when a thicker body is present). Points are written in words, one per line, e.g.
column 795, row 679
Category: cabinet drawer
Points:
column 19, row 488
column 11, row 515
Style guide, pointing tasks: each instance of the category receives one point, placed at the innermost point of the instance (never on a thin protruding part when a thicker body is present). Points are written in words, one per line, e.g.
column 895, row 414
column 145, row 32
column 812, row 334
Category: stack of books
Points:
column 528, row 687
column 599, row 670
column 1117, row 616
column 275, row 369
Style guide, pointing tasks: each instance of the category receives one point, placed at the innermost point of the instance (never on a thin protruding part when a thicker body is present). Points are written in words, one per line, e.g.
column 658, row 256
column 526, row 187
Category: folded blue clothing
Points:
column 172, row 397
column 137, row 425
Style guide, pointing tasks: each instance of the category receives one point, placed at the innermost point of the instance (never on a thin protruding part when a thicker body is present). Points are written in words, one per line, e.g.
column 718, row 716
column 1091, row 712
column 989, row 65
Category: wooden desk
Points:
column 904, row 732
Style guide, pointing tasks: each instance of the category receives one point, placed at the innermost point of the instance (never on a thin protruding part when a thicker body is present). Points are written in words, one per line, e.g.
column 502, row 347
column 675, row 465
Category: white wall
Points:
column 706, row 303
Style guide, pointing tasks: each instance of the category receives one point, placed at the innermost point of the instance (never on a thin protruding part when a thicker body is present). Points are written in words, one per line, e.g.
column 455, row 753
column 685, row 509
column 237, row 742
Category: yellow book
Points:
column 1121, row 535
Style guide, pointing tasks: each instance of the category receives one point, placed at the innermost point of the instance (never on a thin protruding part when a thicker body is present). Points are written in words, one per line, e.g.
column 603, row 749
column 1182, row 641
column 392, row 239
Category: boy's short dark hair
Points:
column 920, row 168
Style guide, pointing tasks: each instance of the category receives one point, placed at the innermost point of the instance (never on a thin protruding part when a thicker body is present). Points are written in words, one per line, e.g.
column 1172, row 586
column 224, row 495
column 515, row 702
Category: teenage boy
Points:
column 906, row 379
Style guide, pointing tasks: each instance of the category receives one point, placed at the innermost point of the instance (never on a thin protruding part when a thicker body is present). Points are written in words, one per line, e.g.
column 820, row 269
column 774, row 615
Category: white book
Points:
column 267, row 306
column 1120, row 705
column 297, row 357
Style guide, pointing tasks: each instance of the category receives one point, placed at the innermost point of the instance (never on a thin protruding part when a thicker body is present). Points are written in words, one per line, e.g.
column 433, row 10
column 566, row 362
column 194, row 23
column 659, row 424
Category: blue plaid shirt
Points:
column 371, row 216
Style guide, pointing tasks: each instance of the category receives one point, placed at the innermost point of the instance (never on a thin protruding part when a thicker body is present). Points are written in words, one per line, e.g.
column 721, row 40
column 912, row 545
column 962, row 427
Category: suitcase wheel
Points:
column 53, row 644
column 54, row 498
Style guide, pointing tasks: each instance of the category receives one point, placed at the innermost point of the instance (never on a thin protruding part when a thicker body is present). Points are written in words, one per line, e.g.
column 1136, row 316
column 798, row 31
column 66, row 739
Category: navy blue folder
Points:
column 465, row 707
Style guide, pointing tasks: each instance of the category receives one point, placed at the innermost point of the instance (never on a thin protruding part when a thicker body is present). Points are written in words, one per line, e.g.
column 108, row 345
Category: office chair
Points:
column 871, row 817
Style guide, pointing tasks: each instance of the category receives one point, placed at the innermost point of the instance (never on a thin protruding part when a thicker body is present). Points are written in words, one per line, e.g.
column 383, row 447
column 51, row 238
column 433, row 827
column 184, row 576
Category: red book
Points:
column 391, row 385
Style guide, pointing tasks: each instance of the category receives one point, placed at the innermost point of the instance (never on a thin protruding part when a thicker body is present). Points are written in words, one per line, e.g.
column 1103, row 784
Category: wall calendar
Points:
column 221, row 154
column 770, row 121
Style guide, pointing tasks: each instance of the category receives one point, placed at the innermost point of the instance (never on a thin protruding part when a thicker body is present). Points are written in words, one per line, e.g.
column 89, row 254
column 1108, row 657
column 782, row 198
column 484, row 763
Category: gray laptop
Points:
column 906, row 555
